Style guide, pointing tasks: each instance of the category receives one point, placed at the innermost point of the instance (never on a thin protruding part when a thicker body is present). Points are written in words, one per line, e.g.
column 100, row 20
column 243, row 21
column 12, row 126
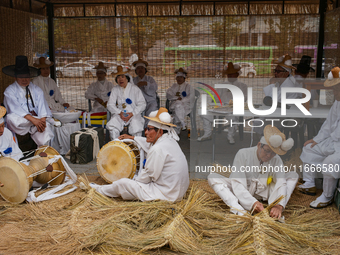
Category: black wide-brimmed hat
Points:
column 304, row 65
column 21, row 67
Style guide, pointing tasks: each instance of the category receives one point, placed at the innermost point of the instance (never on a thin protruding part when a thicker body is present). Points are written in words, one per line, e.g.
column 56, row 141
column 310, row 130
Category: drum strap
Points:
column 94, row 135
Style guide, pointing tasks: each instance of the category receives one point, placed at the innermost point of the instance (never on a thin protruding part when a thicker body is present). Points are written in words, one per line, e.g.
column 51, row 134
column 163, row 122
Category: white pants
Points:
column 222, row 186
column 116, row 125
column 180, row 110
column 324, row 155
column 22, row 126
column 208, row 123
column 61, row 141
column 126, row 188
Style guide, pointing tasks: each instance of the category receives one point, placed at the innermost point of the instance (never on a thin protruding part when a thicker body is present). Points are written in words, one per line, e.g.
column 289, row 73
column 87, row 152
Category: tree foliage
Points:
column 227, row 30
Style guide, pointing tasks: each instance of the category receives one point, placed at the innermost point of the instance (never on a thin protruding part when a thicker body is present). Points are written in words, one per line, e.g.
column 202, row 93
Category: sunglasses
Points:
column 149, row 128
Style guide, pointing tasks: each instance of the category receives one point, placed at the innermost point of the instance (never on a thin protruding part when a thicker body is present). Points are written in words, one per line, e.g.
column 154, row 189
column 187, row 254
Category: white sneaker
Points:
column 204, row 138
column 231, row 140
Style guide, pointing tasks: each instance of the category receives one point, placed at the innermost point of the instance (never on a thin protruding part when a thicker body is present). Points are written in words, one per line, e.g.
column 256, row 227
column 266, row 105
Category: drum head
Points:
column 116, row 160
column 50, row 151
column 15, row 183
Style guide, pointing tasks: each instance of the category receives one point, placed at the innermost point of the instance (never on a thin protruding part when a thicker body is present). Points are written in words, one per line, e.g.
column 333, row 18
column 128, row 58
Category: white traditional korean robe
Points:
column 52, row 93
column 119, row 97
column 290, row 82
column 180, row 108
column 102, row 91
column 242, row 189
column 225, row 96
column 327, row 149
column 149, row 93
column 8, row 147
column 16, row 104
column 165, row 175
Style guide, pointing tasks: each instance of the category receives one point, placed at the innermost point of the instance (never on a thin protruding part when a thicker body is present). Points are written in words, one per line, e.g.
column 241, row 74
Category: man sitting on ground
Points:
column 321, row 154
column 264, row 180
column 165, row 175
column 8, row 147
column 26, row 104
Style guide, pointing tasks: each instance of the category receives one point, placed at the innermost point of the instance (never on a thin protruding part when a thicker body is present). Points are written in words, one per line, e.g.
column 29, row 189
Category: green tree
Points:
column 181, row 28
column 227, row 30
column 287, row 30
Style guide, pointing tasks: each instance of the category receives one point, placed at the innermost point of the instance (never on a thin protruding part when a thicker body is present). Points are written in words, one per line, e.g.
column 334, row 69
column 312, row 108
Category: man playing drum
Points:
column 165, row 175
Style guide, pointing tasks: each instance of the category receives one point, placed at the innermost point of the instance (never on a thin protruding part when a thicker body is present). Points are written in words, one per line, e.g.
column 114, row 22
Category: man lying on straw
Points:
column 322, row 153
column 165, row 175
column 258, row 174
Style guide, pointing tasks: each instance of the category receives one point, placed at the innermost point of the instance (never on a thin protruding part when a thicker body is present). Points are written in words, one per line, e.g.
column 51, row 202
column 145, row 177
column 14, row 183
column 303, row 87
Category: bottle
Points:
column 125, row 114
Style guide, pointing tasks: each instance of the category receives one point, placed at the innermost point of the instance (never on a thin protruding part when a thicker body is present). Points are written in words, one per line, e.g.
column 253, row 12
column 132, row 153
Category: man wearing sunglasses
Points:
column 165, row 174
column 283, row 78
column 257, row 174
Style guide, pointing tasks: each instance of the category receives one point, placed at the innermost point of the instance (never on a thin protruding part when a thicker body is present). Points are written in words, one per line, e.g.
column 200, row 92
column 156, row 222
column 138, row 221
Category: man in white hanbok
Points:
column 257, row 174
column 181, row 96
column 321, row 155
column 147, row 85
column 165, row 175
column 28, row 111
column 283, row 78
column 8, row 146
column 52, row 93
column 126, row 105
column 232, row 71
column 100, row 90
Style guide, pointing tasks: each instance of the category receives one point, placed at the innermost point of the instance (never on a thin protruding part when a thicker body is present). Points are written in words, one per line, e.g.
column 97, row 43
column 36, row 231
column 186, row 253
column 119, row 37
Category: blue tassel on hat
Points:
column 109, row 94
column 51, row 92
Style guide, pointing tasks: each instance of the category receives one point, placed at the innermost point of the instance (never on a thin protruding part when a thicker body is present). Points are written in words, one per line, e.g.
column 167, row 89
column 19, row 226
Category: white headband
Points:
column 172, row 133
column 102, row 70
column 2, row 120
column 181, row 74
column 140, row 64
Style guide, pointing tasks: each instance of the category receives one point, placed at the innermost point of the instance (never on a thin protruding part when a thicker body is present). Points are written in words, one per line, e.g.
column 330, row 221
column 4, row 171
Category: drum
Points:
column 118, row 159
column 16, row 178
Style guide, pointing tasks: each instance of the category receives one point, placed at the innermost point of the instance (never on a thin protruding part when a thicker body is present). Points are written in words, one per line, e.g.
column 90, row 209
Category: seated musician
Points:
column 8, row 146
column 165, row 175
column 258, row 175
column 147, row 85
column 100, row 90
column 126, row 105
column 28, row 111
column 321, row 154
column 181, row 96
column 52, row 93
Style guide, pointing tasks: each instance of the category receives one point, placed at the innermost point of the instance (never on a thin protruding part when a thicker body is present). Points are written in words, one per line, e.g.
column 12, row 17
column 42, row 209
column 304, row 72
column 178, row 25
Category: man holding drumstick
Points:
column 165, row 175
